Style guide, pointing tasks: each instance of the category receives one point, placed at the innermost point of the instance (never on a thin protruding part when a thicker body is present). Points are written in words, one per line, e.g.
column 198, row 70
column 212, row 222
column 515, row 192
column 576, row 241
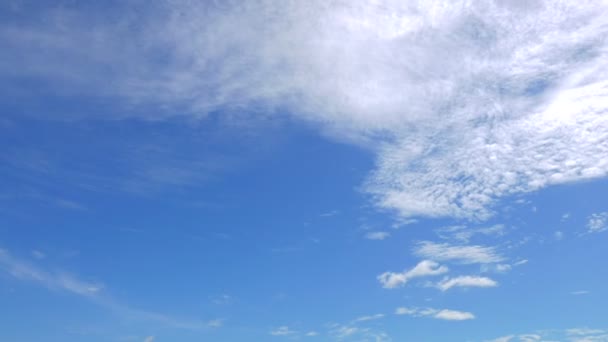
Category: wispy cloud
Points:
column 330, row 213
column 286, row 331
column 38, row 254
column 466, row 254
column 572, row 335
column 518, row 106
column 507, row 338
column 282, row 331
column 377, row 235
column 93, row 291
column 424, row 268
column 464, row 233
column 369, row 318
column 466, row 281
column 350, row 332
column 56, row 281
column 579, row 292
column 442, row 314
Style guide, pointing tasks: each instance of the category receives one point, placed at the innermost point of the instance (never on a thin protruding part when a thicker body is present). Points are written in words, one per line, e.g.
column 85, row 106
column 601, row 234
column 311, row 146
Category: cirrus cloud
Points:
column 463, row 102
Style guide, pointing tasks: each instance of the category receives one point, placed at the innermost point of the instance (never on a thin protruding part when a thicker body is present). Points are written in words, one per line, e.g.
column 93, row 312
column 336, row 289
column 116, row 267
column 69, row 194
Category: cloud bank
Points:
column 463, row 102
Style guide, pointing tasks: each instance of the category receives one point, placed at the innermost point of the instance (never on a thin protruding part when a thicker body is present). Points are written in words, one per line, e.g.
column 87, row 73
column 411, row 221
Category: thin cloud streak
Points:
column 465, row 254
column 466, row 281
column 442, row 314
column 94, row 292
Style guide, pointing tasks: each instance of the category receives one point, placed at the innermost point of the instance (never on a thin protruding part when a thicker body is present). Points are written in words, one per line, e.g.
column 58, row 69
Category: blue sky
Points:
column 304, row 171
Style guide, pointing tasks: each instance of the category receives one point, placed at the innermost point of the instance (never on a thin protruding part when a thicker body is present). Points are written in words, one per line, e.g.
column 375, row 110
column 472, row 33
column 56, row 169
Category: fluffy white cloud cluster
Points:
column 464, row 102
column 424, row 268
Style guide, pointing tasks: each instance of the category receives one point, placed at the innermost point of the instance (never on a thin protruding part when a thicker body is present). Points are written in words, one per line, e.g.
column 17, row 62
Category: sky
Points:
column 313, row 170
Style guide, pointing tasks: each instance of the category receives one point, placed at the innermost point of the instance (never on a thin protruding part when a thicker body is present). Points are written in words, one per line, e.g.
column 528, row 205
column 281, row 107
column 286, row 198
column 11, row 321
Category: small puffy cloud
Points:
column 311, row 334
column 442, row 314
column 466, row 281
column 597, row 222
column 424, row 268
column 282, row 331
column 453, row 315
column 465, row 254
column 377, row 235
column 149, row 339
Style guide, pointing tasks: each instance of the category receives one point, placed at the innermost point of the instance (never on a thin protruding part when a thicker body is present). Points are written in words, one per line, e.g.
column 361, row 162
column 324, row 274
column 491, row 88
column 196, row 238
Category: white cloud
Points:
column 498, row 268
column 530, row 338
column 453, row 315
column 405, row 311
column 508, row 338
column 353, row 332
column 519, row 104
column 282, row 331
column 585, row 331
column 572, row 335
column 466, row 281
column 377, row 235
column 149, row 339
column 598, row 222
column 520, row 262
column 369, row 318
column 424, row 268
column 311, row 334
column 459, row 253
column 442, row 314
